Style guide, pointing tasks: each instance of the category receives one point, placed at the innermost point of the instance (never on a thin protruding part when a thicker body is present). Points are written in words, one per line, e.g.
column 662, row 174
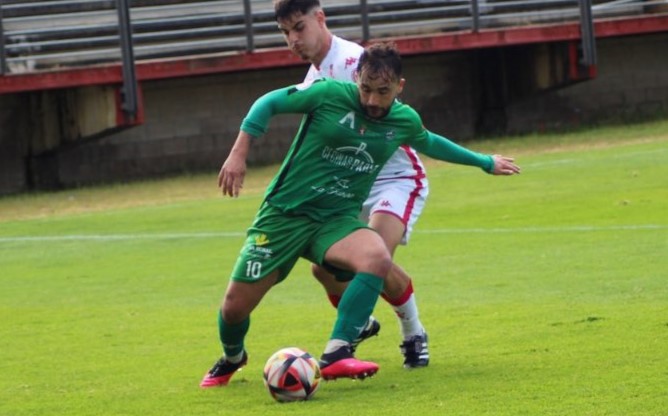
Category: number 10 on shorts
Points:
column 253, row 269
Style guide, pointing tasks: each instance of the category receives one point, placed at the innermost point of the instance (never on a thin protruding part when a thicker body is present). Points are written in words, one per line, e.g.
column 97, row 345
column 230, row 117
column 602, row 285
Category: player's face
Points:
column 305, row 34
column 378, row 92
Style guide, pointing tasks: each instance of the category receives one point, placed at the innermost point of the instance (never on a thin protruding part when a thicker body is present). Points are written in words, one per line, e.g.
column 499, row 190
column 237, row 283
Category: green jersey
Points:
column 337, row 152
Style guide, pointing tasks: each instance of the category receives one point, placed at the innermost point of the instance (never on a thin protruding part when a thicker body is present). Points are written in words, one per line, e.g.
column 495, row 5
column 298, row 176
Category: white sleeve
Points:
column 312, row 74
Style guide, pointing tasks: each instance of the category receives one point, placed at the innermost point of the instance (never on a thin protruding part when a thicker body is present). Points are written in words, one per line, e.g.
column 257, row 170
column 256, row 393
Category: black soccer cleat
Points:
column 372, row 329
column 221, row 372
column 415, row 351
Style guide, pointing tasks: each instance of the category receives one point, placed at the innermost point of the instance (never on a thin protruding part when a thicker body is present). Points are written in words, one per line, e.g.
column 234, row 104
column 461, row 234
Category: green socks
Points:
column 356, row 305
column 232, row 337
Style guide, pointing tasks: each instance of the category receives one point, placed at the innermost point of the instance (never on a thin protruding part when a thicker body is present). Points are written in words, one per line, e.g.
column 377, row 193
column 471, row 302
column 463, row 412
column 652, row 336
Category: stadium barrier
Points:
column 56, row 34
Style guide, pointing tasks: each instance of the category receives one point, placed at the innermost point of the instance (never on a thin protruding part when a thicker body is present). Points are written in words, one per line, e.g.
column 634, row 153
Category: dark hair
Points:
column 382, row 59
column 283, row 9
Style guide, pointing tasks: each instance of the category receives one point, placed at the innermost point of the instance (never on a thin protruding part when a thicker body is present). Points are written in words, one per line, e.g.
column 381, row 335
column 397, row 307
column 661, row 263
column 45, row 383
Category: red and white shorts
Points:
column 402, row 197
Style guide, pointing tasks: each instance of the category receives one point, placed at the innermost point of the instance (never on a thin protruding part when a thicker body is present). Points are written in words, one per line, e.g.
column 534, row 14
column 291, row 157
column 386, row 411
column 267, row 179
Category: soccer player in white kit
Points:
column 400, row 190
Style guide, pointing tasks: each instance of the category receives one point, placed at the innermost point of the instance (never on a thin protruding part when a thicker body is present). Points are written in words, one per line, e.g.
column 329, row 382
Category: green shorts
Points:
column 276, row 240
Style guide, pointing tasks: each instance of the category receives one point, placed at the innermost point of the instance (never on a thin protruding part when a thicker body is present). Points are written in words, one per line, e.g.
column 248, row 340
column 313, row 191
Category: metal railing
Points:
column 52, row 34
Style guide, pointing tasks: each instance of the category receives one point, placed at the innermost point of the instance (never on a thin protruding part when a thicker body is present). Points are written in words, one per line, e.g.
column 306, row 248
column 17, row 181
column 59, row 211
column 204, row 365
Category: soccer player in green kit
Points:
column 311, row 207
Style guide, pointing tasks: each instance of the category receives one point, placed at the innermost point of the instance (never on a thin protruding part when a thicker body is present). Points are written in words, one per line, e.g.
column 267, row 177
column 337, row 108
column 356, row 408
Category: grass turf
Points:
column 543, row 294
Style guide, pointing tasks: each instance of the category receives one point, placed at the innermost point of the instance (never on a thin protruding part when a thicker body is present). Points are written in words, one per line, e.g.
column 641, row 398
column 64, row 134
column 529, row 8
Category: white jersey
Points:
column 341, row 63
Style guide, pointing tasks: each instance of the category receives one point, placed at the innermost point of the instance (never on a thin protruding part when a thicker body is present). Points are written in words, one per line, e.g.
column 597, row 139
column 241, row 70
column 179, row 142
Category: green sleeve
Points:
column 300, row 99
column 441, row 148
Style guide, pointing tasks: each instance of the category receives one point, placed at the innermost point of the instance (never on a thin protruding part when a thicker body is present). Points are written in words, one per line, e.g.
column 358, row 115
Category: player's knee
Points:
column 378, row 262
column 230, row 315
column 232, row 311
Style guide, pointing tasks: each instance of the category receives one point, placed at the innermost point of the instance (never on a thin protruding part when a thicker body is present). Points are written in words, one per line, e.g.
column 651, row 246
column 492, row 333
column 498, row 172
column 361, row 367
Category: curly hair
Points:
column 382, row 59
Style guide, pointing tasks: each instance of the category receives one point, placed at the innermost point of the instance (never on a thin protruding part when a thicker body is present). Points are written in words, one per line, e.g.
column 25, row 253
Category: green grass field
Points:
column 543, row 294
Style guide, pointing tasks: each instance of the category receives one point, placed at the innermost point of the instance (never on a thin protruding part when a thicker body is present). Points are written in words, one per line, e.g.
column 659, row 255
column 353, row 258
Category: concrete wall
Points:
column 14, row 110
column 632, row 83
column 190, row 123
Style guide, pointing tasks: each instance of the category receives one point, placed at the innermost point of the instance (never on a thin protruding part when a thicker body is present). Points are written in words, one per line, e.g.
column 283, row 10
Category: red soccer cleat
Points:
column 221, row 372
column 342, row 364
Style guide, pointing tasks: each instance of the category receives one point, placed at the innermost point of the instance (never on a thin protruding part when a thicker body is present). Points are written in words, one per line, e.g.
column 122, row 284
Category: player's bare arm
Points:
column 233, row 171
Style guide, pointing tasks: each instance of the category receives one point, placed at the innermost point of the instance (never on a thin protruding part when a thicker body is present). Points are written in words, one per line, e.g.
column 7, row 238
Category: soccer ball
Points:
column 291, row 374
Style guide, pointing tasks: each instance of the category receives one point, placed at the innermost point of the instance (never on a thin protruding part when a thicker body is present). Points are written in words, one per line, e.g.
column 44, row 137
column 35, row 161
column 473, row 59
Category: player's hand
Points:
column 504, row 166
column 231, row 176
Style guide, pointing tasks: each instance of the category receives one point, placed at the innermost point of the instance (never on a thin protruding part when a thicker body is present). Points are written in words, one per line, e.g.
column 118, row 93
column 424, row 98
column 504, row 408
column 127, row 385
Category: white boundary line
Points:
column 118, row 237
column 571, row 229
column 239, row 234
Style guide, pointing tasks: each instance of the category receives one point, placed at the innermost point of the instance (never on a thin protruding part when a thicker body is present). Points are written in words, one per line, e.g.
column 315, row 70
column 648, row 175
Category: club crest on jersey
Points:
column 349, row 121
